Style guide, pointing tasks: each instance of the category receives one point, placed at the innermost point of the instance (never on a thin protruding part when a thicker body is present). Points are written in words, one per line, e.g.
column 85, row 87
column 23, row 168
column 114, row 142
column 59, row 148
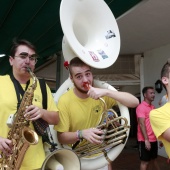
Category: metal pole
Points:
column 58, row 75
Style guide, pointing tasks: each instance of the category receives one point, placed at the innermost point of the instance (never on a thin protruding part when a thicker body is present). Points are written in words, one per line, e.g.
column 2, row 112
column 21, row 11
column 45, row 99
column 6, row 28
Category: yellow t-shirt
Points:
column 160, row 122
column 35, row 155
column 77, row 114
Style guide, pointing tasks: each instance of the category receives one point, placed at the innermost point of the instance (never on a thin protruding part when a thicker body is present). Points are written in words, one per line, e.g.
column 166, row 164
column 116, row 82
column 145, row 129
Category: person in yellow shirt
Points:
column 160, row 117
column 79, row 109
column 23, row 55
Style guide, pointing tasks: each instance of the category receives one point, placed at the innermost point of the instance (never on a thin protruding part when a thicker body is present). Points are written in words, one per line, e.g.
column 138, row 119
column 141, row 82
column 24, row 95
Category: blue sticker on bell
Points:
column 102, row 53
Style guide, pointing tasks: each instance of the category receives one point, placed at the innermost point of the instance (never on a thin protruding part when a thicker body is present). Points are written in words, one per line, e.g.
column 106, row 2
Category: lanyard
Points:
column 18, row 88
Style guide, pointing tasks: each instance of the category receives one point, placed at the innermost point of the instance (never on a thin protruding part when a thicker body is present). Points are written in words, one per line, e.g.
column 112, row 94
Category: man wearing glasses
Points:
column 23, row 56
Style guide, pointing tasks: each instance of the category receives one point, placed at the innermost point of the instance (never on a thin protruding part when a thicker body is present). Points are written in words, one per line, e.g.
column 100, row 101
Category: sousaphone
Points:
column 90, row 33
column 97, row 161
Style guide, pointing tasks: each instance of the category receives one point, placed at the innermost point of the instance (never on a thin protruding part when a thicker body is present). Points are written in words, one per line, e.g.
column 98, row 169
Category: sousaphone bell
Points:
column 90, row 32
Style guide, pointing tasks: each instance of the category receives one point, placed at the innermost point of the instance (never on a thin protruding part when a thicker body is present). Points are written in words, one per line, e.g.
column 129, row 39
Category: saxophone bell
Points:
column 30, row 136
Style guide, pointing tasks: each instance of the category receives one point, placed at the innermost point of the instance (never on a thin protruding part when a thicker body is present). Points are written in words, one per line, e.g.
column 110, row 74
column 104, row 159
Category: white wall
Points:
column 133, row 89
column 152, row 65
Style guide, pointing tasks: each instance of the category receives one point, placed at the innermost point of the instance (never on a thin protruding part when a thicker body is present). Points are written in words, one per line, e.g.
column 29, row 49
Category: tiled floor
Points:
column 129, row 158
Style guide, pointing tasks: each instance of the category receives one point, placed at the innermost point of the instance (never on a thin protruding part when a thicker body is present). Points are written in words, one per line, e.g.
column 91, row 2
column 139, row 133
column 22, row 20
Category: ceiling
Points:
column 38, row 21
column 145, row 27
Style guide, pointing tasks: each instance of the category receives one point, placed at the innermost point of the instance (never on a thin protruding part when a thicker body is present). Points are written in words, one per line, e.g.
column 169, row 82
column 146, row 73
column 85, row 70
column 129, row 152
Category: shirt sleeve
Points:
column 64, row 123
column 159, row 119
column 140, row 112
column 110, row 102
column 51, row 105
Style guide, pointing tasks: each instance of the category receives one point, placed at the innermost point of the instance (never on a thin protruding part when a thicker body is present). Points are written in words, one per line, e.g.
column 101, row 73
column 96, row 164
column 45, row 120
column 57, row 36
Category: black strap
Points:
column 18, row 88
column 44, row 93
column 47, row 137
column 40, row 125
column 74, row 145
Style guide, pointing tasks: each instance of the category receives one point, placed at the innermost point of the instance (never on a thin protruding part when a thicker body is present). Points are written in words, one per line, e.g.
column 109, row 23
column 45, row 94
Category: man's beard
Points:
column 80, row 90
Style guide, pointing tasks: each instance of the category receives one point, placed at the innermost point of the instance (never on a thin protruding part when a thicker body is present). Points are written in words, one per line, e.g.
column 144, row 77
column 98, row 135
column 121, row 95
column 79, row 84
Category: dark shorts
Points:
column 147, row 155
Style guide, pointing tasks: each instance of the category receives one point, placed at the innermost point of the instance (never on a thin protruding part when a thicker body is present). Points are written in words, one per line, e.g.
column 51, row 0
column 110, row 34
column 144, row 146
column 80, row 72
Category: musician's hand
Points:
column 96, row 93
column 93, row 135
column 147, row 145
column 33, row 112
column 6, row 146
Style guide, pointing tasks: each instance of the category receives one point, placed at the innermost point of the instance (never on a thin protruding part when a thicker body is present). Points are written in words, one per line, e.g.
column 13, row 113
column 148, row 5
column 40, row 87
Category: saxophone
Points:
column 20, row 133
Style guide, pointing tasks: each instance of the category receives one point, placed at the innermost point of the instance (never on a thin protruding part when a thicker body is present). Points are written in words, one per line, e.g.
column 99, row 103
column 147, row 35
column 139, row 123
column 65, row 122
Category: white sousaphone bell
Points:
column 61, row 159
column 90, row 33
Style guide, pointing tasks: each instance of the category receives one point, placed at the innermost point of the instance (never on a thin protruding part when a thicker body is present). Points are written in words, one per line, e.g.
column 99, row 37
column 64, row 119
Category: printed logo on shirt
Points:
column 37, row 98
column 96, row 109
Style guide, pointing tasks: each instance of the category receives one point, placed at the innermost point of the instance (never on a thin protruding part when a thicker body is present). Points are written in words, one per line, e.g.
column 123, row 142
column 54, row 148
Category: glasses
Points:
column 24, row 55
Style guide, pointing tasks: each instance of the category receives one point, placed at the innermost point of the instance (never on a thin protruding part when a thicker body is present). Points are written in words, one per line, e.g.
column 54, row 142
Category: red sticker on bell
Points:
column 94, row 56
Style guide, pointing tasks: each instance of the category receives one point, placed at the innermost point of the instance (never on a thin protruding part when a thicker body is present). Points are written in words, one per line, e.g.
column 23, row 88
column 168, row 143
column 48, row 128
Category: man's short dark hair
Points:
column 18, row 42
column 76, row 62
column 166, row 69
column 145, row 89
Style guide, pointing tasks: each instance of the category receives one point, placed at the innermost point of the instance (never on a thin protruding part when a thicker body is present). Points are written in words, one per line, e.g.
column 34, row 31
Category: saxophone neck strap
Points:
column 18, row 88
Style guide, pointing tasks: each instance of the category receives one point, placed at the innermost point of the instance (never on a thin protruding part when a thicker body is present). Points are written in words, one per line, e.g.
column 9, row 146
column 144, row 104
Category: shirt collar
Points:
column 146, row 104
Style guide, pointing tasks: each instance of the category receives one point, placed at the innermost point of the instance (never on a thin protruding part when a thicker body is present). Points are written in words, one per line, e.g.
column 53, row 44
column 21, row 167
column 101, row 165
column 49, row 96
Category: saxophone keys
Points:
column 15, row 136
